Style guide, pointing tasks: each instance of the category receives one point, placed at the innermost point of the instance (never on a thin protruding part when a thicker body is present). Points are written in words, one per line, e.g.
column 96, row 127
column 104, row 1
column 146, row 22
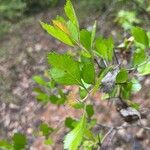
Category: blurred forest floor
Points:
column 23, row 54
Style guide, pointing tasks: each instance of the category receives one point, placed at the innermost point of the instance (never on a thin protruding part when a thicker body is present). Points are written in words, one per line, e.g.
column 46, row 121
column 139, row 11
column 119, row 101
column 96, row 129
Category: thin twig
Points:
column 97, row 63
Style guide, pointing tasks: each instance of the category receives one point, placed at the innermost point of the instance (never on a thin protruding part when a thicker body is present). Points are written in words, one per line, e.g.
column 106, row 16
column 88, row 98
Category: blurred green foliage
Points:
column 13, row 10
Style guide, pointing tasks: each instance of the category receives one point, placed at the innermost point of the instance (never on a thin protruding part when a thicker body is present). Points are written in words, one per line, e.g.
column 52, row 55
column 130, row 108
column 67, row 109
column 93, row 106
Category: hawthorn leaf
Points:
column 140, row 36
column 73, row 31
column 105, row 47
column 48, row 141
column 57, row 33
column 4, row 145
column 83, row 93
column 74, row 138
column 39, row 80
column 93, row 34
column 88, row 72
column 122, row 76
column 19, row 141
column 126, row 90
column 65, row 69
column 70, row 13
column 61, row 25
column 90, row 110
column 144, row 69
column 70, row 122
column 45, row 129
column 57, row 100
column 139, row 57
column 42, row 97
column 85, row 38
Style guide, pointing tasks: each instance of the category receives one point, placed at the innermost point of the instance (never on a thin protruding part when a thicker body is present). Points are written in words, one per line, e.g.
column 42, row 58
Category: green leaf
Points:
column 89, row 110
column 122, row 76
column 4, row 145
column 65, row 69
column 45, row 129
column 70, row 13
column 39, row 80
column 70, row 123
column 19, row 141
column 88, row 72
column 126, row 90
column 93, row 34
column 57, row 100
column 42, row 97
column 57, row 33
column 85, row 39
column 105, row 47
column 74, row 138
column 83, row 93
column 78, row 105
column 48, row 141
column 73, row 31
column 140, row 36
column 139, row 57
column 144, row 69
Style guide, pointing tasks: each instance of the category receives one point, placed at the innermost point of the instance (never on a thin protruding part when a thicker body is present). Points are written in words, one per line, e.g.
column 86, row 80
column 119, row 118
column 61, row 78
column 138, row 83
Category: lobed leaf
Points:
column 66, row 72
column 74, row 138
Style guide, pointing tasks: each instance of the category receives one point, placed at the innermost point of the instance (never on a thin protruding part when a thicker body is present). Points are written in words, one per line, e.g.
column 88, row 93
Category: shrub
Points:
column 95, row 64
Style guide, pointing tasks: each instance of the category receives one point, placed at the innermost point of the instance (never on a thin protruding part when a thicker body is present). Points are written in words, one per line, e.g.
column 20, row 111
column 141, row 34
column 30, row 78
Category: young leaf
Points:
column 70, row 13
column 39, row 80
column 122, row 76
column 66, row 72
column 83, row 93
column 45, row 129
column 140, row 36
column 57, row 33
column 56, row 100
column 70, row 123
column 139, row 57
column 74, row 138
column 89, row 110
column 85, row 39
column 42, row 97
column 19, row 141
